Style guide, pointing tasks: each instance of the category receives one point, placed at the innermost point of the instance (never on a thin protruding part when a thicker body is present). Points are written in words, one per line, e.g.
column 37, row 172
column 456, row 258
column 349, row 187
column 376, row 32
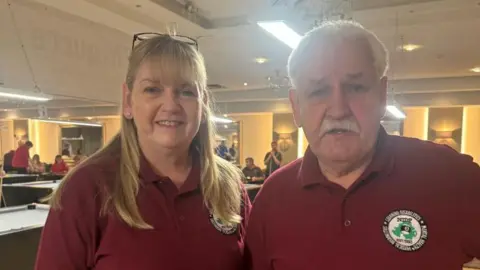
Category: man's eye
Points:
column 319, row 92
column 357, row 88
column 152, row 90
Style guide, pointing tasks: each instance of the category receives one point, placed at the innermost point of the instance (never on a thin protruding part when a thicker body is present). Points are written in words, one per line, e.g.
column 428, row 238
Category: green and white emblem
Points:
column 405, row 230
column 226, row 229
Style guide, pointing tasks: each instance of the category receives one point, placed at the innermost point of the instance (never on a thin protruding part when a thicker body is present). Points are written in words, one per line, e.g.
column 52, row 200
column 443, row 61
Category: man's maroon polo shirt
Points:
column 184, row 236
column 416, row 207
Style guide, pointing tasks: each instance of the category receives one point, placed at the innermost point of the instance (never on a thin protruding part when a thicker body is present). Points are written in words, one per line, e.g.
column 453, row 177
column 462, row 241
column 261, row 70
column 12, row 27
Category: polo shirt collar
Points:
column 147, row 174
column 382, row 162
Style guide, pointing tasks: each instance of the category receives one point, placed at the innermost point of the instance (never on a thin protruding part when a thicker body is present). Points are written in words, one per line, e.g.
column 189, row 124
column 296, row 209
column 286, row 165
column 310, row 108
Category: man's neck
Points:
column 344, row 174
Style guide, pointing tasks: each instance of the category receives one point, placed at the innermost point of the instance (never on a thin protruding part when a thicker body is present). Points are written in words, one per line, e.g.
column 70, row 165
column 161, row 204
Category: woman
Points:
column 59, row 166
column 155, row 197
column 36, row 166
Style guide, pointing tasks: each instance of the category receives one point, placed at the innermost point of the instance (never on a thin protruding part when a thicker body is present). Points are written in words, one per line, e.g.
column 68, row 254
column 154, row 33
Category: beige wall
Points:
column 46, row 139
column 471, row 132
column 7, row 140
column 255, row 135
column 111, row 126
column 416, row 123
column 284, row 127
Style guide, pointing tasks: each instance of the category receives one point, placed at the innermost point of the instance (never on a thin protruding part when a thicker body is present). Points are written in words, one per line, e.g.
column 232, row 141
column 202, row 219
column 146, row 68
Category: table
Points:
column 25, row 193
column 20, row 230
column 19, row 178
column 49, row 176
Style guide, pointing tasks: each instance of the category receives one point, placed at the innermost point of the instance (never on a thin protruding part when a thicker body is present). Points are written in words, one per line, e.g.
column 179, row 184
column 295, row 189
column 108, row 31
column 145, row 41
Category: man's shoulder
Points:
column 429, row 152
column 285, row 176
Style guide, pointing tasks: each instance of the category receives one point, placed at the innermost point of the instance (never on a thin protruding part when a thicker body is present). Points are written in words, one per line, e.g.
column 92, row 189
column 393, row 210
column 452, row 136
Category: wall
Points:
column 255, row 136
column 46, row 140
column 285, row 132
column 111, row 126
column 471, row 132
column 415, row 124
column 7, row 141
column 445, row 126
column 20, row 130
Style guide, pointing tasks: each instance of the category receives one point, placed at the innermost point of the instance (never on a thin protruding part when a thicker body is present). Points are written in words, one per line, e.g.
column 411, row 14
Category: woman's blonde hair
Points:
column 220, row 180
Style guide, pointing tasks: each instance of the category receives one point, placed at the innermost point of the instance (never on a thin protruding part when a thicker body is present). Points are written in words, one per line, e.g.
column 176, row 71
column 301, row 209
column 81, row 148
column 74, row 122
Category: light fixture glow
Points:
column 245, row 84
column 261, row 60
column 221, row 120
column 410, row 47
column 396, row 112
column 15, row 94
column 67, row 122
column 475, row 69
column 282, row 32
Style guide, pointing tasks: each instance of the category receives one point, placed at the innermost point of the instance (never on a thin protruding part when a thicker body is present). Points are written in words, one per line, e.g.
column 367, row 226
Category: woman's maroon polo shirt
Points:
column 184, row 237
column 416, row 207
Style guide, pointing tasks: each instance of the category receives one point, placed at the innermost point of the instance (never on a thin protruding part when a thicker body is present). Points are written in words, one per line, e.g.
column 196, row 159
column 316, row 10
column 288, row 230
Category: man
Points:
column 21, row 158
column 359, row 198
column 222, row 150
column 7, row 161
column 253, row 173
column 272, row 160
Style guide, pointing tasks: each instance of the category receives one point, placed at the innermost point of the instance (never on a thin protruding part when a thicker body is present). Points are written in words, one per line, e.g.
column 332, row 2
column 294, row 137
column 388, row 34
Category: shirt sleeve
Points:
column 279, row 157
column 255, row 246
column 68, row 239
column 470, row 208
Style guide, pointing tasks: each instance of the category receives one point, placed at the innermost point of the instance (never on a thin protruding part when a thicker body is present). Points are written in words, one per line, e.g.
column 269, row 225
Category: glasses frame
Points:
column 189, row 40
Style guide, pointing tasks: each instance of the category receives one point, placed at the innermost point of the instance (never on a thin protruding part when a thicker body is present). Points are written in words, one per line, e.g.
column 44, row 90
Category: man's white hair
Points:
column 331, row 32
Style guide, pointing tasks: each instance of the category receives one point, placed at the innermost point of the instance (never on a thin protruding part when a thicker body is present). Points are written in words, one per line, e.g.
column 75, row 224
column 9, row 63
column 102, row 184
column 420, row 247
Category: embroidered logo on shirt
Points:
column 405, row 230
column 227, row 229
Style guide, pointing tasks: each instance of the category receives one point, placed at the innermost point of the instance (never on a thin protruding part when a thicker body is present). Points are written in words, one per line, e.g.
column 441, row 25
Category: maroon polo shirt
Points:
column 184, row 237
column 416, row 207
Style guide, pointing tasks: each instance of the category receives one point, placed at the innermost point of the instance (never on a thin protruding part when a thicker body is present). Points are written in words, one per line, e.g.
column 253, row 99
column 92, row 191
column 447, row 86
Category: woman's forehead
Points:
column 166, row 72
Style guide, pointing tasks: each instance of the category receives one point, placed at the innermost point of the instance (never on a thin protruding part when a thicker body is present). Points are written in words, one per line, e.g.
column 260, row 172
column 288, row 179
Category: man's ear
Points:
column 126, row 101
column 294, row 102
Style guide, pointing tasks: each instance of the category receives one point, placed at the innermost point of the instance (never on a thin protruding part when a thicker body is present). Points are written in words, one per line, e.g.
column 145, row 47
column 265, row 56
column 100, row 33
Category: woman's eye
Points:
column 187, row 92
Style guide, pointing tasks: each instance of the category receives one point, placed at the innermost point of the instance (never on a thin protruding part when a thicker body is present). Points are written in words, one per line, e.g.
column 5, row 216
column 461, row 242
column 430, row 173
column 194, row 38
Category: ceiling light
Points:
column 396, row 112
column 410, row 47
column 225, row 126
column 89, row 118
column 225, row 115
column 475, row 69
column 221, row 120
column 67, row 122
column 282, row 32
column 245, row 84
column 24, row 95
column 261, row 60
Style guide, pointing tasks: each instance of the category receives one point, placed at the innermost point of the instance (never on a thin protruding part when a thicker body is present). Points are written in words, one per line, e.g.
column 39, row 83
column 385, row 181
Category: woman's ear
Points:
column 126, row 101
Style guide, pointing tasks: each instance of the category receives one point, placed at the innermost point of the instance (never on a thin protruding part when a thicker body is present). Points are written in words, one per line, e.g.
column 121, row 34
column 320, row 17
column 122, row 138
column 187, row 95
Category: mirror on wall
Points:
column 83, row 140
column 228, row 142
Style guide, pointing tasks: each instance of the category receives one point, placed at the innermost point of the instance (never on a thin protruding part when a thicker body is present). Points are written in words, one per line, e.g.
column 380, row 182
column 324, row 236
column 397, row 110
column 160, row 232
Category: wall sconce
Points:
column 443, row 134
column 284, row 141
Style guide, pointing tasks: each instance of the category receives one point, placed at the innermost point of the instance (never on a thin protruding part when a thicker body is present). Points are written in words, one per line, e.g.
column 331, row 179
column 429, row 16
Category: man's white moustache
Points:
column 343, row 124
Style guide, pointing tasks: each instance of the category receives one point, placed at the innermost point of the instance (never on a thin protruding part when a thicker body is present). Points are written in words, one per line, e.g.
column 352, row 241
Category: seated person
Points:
column 253, row 173
column 59, row 167
column 36, row 166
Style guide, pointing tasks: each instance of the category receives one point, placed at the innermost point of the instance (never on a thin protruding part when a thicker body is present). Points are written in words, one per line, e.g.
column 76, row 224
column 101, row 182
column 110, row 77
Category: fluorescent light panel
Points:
column 396, row 112
column 282, row 32
column 67, row 122
column 24, row 95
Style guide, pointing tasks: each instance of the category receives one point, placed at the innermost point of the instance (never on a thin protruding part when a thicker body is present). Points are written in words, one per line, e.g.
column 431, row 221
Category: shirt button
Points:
column 347, row 223
column 182, row 218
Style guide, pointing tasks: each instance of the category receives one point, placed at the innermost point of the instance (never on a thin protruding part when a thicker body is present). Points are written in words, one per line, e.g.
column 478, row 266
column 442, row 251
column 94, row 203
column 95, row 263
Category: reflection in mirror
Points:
column 228, row 143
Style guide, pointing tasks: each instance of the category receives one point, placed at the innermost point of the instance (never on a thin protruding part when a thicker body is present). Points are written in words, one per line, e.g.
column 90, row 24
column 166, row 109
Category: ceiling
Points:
column 78, row 48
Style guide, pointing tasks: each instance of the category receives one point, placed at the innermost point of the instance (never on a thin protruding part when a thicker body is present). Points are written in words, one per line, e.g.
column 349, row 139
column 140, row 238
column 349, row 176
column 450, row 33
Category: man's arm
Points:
column 470, row 208
column 258, row 175
column 267, row 158
column 278, row 159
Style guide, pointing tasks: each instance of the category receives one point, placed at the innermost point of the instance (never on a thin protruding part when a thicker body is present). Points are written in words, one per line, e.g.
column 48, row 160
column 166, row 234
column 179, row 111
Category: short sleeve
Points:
column 68, row 239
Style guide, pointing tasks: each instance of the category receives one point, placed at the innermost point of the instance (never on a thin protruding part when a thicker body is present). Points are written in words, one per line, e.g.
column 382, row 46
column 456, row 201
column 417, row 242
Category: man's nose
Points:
column 338, row 105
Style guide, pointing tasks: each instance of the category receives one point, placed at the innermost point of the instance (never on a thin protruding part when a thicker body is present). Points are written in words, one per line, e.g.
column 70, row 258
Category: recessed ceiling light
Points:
column 89, row 118
column 245, row 84
column 475, row 69
column 410, row 47
column 225, row 126
column 225, row 115
column 261, row 60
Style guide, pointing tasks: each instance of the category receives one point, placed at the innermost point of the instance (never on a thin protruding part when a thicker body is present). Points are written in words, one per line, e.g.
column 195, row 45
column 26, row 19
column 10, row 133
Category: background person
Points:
column 36, row 166
column 252, row 172
column 155, row 197
column 21, row 159
column 272, row 160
